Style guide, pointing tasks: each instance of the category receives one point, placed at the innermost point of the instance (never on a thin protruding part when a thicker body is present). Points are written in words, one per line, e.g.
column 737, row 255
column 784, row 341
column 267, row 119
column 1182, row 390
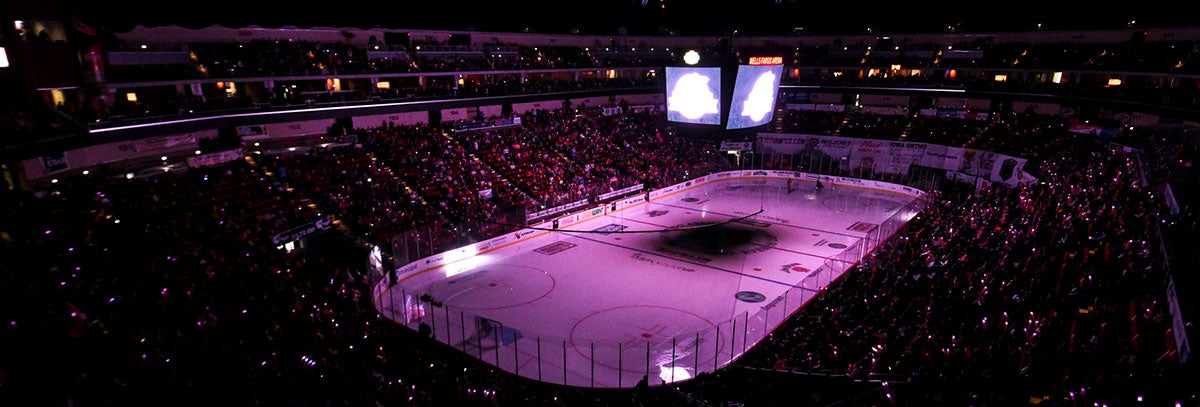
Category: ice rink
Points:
column 681, row 284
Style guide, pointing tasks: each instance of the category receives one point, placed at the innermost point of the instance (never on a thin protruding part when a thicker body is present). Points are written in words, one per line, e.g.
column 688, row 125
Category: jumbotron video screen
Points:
column 694, row 95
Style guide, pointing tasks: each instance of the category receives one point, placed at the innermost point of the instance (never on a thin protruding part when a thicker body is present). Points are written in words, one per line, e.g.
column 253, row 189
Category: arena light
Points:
column 691, row 57
column 375, row 258
column 461, row 260
column 671, row 374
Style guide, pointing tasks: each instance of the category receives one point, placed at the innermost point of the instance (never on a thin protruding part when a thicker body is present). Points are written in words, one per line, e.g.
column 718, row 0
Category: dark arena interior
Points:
column 197, row 206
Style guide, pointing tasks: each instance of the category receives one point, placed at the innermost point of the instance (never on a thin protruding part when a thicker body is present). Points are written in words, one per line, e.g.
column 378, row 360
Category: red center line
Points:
column 759, row 244
column 799, row 252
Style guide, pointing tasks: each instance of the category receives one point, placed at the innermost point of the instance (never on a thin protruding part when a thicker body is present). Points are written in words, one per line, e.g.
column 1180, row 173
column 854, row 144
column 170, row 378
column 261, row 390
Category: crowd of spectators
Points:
column 566, row 155
column 158, row 106
column 273, row 59
column 169, row 289
column 456, row 186
column 449, row 177
column 1130, row 55
column 123, row 291
column 1050, row 291
column 878, row 126
column 1110, row 189
column 945, row 131
column 23, row 122
column 811, row 121
column 266, row 58
column 164, row 288
column 368, row 195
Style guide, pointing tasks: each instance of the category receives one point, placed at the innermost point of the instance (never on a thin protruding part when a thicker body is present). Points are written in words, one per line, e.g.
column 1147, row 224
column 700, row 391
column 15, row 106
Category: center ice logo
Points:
column 794, row 267
column 718, row 239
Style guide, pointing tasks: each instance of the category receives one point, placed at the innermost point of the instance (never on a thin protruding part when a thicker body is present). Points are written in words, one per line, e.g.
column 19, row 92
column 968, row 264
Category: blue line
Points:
column 698, row 264
column 773, row 223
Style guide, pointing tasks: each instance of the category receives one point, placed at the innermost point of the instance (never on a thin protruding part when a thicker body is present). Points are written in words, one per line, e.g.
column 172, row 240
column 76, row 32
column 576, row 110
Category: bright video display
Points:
column 694, row 94
column 754, row 91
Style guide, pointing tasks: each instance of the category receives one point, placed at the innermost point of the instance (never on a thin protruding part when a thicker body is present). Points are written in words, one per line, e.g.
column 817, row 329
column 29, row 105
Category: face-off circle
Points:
column 496, row 287
column 655, row 324
column 750, row 296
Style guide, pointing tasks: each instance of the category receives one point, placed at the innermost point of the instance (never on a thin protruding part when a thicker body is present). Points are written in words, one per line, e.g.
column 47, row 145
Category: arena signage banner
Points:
column 54, row 163
column 301, row 231
column 736, row 145
column 1178, row 327
column 216, row 158
column 163, row 143
column 874, row 156
column 941, row 157
column 901, row 155
column 620, row 192
column 555, row 210
column 817, row 107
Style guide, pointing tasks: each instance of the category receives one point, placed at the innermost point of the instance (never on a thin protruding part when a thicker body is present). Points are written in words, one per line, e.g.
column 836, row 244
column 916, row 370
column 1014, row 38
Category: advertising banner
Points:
column 736, row 145
column 217, row 158
column 869, row 155
column 53, row 163
column 901, row 155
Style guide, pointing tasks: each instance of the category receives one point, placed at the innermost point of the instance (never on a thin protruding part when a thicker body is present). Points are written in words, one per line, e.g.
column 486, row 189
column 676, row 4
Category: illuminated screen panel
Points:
column 754, row 91
column 694, row 95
